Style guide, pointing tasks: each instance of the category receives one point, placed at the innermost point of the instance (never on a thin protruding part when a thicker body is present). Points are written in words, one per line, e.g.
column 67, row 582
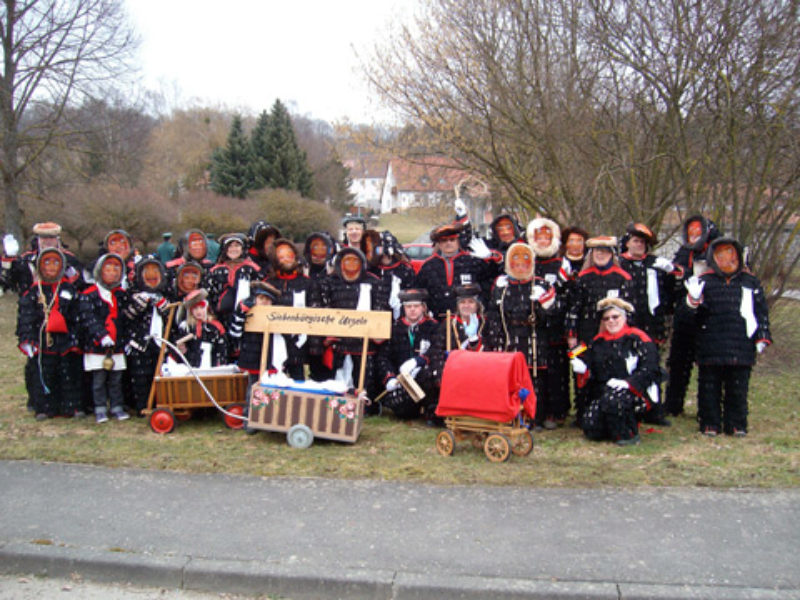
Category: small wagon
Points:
column 488, row 398
column 299, row 411
column 173, row 398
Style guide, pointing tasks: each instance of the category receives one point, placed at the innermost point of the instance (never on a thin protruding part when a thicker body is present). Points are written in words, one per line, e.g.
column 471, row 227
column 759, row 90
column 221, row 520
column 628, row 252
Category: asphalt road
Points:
column 318, row 538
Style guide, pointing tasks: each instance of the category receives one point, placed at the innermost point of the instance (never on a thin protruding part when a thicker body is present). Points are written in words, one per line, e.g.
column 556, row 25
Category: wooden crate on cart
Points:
column 173, row 398
column 302, row 413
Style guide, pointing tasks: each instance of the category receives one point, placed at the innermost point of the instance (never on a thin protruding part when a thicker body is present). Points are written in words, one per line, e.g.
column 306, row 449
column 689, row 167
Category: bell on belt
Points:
column 108, row 361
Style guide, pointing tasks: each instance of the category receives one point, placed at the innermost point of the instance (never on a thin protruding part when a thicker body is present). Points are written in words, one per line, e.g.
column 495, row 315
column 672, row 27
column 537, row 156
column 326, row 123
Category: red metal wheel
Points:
column 233, row 422
column 162, row 420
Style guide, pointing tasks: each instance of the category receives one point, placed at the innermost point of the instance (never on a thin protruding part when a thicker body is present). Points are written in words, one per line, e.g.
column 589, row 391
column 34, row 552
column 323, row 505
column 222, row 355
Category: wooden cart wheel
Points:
column 233, row 422
column 300, row 436
column 522, row 444
column 497, row 447
column 445, row 442
column 162, row 420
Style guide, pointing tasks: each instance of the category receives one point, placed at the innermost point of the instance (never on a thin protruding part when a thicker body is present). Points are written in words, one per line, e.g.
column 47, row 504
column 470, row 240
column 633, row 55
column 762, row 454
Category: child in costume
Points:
column 47, row 325
column 102, row 323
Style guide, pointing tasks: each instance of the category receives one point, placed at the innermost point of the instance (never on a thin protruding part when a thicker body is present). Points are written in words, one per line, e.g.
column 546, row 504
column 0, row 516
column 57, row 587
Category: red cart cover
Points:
column 486, row 385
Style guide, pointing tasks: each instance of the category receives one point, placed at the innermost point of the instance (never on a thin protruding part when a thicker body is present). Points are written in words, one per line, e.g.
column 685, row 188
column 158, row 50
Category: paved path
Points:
column 317, row 538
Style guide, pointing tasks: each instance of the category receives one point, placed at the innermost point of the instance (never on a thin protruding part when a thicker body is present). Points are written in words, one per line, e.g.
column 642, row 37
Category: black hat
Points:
column 413, row 295
column 447, row 230
column 643, row 231
column 354, row 219
column 262, row 288
column 468, row 290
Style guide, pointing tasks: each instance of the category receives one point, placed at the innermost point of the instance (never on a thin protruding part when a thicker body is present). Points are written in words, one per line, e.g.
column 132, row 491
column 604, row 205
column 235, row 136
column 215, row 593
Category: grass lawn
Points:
column 393, row 450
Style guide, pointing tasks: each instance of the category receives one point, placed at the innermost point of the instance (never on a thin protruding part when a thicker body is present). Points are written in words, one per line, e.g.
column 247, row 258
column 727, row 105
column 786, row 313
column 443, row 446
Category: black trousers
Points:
column 552, row 385
column 722, row 397
column 679, row 364
column 57, row 388
column 612, row 415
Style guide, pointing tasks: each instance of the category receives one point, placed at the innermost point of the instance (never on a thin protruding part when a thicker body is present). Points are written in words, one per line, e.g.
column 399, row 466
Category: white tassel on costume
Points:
column 747, row 312
column 364, row 297
column 652, row 291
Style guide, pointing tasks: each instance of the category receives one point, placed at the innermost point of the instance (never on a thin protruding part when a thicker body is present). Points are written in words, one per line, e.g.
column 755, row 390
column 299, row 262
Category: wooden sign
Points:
column 334, row 322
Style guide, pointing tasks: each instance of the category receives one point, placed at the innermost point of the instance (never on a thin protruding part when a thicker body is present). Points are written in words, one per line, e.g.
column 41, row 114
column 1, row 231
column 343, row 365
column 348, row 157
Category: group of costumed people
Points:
column 598, row 306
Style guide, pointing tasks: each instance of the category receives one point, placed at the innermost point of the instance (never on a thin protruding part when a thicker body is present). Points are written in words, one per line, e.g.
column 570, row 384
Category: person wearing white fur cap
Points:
column 519, row 312
column 544, row 236
column 619, row 371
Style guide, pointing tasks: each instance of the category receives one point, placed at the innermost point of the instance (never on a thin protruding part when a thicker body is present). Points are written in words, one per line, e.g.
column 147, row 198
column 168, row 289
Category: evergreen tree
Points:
column 230, row 166
column 260, row 158
column 332, row 184
column 278, row 160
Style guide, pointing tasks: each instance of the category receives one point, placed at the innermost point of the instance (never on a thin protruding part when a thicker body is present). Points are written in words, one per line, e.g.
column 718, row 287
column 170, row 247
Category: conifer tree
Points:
column 230, row 166
column 260, row 158
column 278, row 159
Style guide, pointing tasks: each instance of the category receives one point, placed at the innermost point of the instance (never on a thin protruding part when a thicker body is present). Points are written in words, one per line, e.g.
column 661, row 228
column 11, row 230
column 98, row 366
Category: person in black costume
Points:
column 145, row 316
column 732, row 323
column 653, row 282
column 618, row 370
column 520, row 311
column 697, row 233
column 408, row 351
column 47, row 330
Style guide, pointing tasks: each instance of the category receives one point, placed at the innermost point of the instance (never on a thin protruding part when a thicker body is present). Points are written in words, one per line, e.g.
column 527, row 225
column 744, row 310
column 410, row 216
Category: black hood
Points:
column 140, row 284
column 713, row 263
column 337, row 264
column 709, row 233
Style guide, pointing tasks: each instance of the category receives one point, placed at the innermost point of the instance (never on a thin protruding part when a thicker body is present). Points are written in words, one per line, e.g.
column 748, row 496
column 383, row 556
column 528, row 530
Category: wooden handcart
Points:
column 487, row 398
column 300, row 413
column 173, row 399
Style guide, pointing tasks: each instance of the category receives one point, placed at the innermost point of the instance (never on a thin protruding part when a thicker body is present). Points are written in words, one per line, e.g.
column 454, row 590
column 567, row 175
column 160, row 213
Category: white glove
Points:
column 471, row 327
column 107, row 342
column 479, row 248
column 760, row 346
column 392, row 384
column 664, row 264
column 695, row 287
column 461, row 208
column 28, row 349
column 10, row 245
column 537, row 292
column 473, row 339
column 578, row 366
column 618, row 384
column 407, row 366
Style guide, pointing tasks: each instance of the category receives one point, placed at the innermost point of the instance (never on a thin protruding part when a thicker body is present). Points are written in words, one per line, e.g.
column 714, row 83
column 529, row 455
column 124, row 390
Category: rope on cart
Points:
column 159, row 339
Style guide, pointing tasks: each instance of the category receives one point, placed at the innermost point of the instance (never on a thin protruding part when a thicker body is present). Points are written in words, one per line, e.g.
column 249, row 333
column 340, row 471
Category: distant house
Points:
column 367, row 176
column 428, row 181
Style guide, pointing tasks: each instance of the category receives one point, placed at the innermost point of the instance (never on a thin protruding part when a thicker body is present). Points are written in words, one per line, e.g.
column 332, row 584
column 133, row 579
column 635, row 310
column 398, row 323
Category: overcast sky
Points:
column 244, row 54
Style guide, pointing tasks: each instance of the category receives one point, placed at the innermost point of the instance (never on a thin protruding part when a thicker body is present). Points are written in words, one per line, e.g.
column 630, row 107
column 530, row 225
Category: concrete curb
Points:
column 304, row 581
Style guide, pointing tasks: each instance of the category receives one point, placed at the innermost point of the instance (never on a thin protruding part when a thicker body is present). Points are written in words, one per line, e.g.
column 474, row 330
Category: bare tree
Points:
column 54, row 53
column 505, row 87
column 605, row 111
column 704, row 99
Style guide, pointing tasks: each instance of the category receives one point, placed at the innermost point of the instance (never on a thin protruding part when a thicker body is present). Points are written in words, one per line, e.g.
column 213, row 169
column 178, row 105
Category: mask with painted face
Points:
column 727, row 258
column 520, row 262
column 351, row 267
